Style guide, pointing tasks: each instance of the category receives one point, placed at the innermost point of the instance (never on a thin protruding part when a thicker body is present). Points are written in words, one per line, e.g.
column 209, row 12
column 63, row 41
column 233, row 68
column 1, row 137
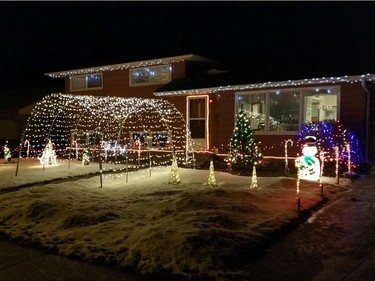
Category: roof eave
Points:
column 303, row 82
column 121, row 66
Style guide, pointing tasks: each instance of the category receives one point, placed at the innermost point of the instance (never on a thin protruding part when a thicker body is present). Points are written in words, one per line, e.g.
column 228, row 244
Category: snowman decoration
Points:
column 309, row 164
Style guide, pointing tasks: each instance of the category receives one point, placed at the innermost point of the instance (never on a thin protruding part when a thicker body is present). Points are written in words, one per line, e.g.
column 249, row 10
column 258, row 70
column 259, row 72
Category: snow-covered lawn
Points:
column 148, row 225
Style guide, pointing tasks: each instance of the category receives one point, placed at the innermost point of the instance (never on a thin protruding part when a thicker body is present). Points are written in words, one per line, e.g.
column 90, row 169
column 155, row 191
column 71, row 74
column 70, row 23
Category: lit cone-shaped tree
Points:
column 211, row 176
column 244, row 151
column 254, row 180
column 174, row 177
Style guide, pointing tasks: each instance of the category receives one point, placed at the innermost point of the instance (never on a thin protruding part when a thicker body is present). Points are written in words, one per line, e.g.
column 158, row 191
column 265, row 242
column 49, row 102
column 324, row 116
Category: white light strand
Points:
column 323, row 80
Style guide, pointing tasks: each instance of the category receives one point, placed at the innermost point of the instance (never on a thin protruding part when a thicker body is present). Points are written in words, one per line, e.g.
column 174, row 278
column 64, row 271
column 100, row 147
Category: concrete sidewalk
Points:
column 337, row 243
column 26, row 264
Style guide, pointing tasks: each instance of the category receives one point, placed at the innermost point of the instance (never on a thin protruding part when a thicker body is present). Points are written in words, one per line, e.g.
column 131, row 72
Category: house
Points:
column 209, row 99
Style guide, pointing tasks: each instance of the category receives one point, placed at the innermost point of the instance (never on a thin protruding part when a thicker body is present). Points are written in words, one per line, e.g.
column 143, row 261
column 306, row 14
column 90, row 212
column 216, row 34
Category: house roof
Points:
column 215, row 81
column 126, row 65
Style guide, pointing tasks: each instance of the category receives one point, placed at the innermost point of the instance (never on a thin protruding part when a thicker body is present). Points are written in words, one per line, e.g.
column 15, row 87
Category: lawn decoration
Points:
column 244, row 150
column 321, row 157
column 286, row 154
column 298, row 199
column 7, row 152
column 337, row 157
column 86, row 155
column 211, row 176
column 174, row 177
column 254, row 180
column 309, row 164
column 329, row 135
column 65, row 118
column 48, row 156
column 27, row 144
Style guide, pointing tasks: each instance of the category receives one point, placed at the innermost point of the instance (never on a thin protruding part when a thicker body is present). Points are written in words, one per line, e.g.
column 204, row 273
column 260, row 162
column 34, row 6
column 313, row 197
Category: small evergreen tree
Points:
column 244, row 151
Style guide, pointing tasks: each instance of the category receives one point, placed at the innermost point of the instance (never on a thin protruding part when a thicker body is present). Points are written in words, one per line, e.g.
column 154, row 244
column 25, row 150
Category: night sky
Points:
column 272, row 40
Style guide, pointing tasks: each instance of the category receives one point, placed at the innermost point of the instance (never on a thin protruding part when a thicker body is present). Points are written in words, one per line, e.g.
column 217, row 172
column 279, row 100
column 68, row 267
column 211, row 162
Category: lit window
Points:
column 320, row 104
column 197, row 120
column 254, row 105
column 86, row 82
column 150, row 75
column 285, row 110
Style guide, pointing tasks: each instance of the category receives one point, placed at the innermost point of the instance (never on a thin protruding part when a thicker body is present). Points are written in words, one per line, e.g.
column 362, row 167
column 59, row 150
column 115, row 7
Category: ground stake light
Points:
column 174, row 177
column 211, row 177
column 254, row 180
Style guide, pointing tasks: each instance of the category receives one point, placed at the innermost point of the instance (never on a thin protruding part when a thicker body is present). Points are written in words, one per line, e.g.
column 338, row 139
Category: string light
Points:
column 69, row 121
column 302, row 82
column 122, row 66
column 286, row 154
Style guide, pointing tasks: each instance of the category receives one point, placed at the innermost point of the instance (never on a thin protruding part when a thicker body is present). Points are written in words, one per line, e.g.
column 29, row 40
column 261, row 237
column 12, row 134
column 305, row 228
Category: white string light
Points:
column 302, row 82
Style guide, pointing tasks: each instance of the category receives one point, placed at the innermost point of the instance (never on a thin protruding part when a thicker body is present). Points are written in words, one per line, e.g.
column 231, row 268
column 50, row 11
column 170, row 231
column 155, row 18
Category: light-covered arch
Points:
column 64, row 119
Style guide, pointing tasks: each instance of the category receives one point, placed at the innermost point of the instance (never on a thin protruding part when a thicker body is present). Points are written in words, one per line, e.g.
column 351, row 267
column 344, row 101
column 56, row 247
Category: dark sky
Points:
column 272, row 40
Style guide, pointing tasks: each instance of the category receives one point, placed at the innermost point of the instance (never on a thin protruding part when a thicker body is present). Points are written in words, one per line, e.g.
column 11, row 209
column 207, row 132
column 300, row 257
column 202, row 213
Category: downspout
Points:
column 363, row 83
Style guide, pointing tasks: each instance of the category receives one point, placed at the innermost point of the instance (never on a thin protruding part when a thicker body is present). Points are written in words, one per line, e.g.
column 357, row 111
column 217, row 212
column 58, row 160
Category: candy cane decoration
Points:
column 321, row 156
column 349, row 163
column 28, row 148
column 337, row 163
column 298, row 180
column 286, row 154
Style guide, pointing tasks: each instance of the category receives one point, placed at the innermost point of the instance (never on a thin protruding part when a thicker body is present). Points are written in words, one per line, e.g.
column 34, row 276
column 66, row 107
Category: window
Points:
column 284, row 110
column 254, row 105
column 197, row 120
column 320, row 104
column 86, row 82
column 150, row 75
column 197, row 116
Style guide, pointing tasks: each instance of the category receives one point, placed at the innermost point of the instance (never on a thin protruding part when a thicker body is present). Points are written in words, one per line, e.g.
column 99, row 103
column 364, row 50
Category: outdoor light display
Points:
column 7, row 152
column 286, row 154
column 69, row 121
column 243, row 148
column 49, row 156
column 254, row 180
column 174, row 177
column 211, row 181
column 329, row 134
column 308, row 163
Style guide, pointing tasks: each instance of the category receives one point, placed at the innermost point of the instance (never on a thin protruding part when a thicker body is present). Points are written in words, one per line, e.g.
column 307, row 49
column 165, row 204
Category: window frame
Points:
column 302, row 95
column 206, row 118
column 86, row 88
column 132, row 84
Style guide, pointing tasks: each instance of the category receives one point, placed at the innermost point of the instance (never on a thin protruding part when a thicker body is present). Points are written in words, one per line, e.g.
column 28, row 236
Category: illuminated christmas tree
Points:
column 86, row 156
column 7, row 152
column 243, row 148
column 174, row 177
column 211, row 177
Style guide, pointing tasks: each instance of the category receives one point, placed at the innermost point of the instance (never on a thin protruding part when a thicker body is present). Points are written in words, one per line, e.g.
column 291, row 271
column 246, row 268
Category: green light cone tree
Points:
column 244, row 150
